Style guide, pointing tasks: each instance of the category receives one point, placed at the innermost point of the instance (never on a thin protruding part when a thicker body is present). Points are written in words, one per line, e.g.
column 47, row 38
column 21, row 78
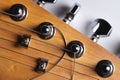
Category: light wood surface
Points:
column 18, row 63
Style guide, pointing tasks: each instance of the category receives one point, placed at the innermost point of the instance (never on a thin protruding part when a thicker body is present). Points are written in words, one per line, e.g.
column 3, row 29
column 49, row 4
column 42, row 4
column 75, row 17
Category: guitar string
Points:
column 64, row 49
column 60, row 58
column 27, row 56
column 41, row 41
column 6, row 13
column 54, row 65
column 53, row 54
column 34, row 39
column 73, row 66
column 34, row 58
column 29, row 29
column 38, row 40
column 31, row 66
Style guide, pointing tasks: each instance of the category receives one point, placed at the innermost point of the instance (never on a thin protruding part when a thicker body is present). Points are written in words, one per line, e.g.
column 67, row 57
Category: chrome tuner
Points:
column 70, row 16
column 101, row 28
column 43, row 2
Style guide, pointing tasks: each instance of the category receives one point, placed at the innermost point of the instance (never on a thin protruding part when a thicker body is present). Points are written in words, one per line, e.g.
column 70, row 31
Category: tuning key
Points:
column 105, row 68
column 42, row 2
column 46, row 30
column 76, row 49
column 101, row 29
column 17, row 12
column 70, row 16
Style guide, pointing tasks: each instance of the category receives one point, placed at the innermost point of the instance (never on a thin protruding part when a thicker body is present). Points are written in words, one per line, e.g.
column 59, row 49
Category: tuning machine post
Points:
column 17, row 12
column 105, row 68
column 70, row 15
column 43, row 2
column 101, row 28
column 76, row 49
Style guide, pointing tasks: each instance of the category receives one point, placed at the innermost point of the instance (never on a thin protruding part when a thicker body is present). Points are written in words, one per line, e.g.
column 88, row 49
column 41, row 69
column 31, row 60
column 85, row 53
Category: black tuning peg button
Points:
column 45, row 30
column 42, row 2
column 18, row 12
column 104, row 68
column 75, row 49
column 101, row 29
column 70, row 16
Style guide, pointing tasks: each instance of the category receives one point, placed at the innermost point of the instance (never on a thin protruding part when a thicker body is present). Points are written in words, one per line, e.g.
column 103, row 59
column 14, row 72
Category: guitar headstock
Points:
column 42, row 47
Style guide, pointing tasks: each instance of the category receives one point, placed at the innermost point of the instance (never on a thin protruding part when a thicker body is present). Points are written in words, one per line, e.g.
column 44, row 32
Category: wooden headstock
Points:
column 18, row 62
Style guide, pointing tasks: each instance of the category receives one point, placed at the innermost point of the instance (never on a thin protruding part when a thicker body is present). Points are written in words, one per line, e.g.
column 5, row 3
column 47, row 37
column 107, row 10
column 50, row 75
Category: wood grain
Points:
column 14, row 66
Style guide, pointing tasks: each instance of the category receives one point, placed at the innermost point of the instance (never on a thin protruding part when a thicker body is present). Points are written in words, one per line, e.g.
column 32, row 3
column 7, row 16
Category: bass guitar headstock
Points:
column 36, row 45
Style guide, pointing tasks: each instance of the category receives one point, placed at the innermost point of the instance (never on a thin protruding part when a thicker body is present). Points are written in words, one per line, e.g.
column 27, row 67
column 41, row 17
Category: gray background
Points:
column 91, row 10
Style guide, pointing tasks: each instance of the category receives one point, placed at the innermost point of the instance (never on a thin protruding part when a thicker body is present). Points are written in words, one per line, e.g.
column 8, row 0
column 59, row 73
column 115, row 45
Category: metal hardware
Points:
column 76, row 49
column 24, row 40
column 101, row 29
column 41, row 65
column 70, row 16
column 43, row 2
column 18, row 11
column 104, row 68
column 46, row 30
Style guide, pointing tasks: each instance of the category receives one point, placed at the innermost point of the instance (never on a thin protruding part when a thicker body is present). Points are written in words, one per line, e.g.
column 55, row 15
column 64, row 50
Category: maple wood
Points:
column 18, row 63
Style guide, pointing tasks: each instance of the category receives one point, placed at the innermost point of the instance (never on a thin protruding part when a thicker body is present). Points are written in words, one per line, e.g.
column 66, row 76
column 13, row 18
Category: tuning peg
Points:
column 70, row 16
column 17, row 12
column 43, row 2
column 101, row 29
column 105, row 68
